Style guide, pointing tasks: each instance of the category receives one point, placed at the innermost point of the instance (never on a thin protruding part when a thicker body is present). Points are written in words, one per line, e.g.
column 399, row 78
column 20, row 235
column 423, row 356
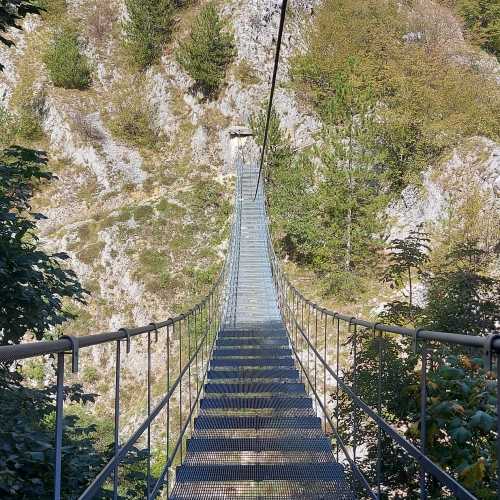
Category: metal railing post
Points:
column 59, row 425
column 117, row 417
column 423, row 419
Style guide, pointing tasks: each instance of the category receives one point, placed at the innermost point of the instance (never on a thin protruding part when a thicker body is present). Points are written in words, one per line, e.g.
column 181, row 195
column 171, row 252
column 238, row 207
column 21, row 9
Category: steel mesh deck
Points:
column 256, row 435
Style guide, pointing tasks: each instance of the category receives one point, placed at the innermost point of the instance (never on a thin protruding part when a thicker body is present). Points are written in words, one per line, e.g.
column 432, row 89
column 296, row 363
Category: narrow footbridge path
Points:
column 257, row 435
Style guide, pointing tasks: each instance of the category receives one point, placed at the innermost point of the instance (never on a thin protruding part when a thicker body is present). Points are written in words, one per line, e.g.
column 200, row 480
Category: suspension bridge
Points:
column 251, row 401
column 254, row 378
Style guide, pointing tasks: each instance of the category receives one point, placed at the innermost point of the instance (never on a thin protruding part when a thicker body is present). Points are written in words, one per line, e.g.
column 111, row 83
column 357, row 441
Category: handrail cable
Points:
column 271, row 95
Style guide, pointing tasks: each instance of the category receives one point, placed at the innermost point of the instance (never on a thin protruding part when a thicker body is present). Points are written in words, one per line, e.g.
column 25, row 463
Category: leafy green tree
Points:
column 289, row 176
column 461, row 415
column 27, row 435
column 482, row 19
column 32, row 282
column 11, row 12
column 148, row 29
column 279, row 150
column 461, row 297
column 407, row 257
column 67, row 66
column 208, row 51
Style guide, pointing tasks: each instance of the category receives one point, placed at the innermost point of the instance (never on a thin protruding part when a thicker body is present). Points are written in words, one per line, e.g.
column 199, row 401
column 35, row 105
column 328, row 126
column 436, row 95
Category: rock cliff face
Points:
column 145, row 224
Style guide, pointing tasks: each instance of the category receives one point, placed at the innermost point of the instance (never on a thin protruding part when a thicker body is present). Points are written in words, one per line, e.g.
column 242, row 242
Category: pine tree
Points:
column 350, row 193
column 208, row 51
column 149, row 27
column 67, row 66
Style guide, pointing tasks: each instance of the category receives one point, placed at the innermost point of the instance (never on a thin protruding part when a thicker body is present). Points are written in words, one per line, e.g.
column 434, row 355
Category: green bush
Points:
column 208, row 51
column 149, row 27
column 67, row 66
column 131, row 117
column 482, row 19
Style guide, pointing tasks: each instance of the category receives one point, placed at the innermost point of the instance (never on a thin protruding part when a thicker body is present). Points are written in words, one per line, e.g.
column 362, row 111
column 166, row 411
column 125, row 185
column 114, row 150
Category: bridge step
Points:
column 254, row 422
column 259, row 445
column 267, row 362
column 251, row 352
column 252, row 342
column 260, row 472
column 256, row 403
column 265, row 490
column 251, row 387
column 251, row 374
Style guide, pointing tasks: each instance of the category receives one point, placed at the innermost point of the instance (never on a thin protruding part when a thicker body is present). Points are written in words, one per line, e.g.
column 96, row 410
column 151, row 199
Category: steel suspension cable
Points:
column 271, row 95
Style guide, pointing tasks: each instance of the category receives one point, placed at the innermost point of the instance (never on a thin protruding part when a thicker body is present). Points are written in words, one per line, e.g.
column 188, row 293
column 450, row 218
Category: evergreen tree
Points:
column 350, row 193
column 149, row 27
column 67, row 66
column 206, row 54
column 461, row 297
column 407, row 256
column 482, row 18
column 278, row 150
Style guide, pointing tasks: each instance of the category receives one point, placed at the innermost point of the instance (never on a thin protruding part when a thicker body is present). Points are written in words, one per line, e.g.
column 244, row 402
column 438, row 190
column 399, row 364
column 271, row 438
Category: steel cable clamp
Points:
column 488, row 350
column 75, row 351
column 127, row 339
column 155, row 326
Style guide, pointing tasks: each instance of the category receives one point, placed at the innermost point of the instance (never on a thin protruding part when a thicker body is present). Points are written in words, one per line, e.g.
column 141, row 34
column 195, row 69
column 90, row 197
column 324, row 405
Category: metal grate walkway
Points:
column 257, row 435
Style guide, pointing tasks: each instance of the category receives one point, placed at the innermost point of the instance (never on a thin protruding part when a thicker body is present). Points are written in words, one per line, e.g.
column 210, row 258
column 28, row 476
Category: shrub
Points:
column 131, row 117
column 67, row 66
column 149, row 27
column 208, row 51
column 28, row 125
column 482, row 19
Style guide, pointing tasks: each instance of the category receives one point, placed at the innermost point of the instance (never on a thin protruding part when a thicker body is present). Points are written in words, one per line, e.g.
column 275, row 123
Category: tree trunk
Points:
column 410, row 286
column 348, row 255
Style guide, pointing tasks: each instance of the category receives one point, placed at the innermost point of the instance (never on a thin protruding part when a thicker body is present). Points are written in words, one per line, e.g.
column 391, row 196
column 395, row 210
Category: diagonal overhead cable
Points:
column 271, row 95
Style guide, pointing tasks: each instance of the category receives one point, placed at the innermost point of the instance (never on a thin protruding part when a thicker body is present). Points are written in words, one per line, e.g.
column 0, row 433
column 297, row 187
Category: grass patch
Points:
column 89, row 253
column 245, row 73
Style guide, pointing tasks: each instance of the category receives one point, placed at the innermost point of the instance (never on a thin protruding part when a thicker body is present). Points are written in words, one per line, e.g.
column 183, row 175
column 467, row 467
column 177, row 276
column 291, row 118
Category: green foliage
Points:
column 208, row 51
column 461, row 416
column 32, row 283
column 325, row 213
column 462, row 419
column 350, row 195
column 425, row 103
column 52, row 9
column 11, row 13
column 27, row 435
column 67, row 66
column 407, row 255
column 155, row 270
column 24, row 124
column 245, row 73
column 278, row 148
column 461, row 298
column 148, row 29
column 8, row 127
column 131, row 117
column 482, row 19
